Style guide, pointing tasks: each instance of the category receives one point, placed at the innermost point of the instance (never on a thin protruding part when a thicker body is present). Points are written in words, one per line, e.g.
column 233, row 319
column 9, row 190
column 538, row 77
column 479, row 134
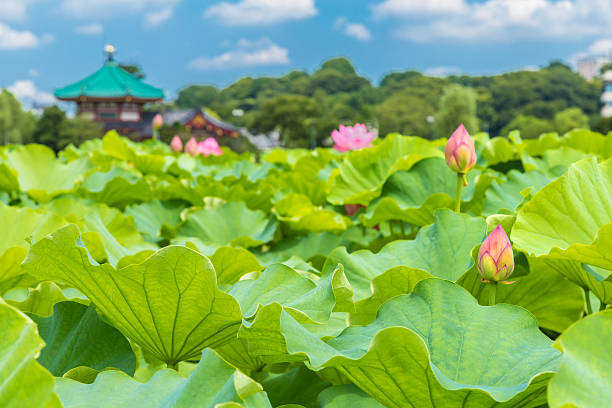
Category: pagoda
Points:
column 116, row 98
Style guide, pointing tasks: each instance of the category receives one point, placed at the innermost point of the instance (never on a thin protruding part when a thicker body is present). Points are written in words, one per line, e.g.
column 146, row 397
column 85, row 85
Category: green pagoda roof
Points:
column 111, row 81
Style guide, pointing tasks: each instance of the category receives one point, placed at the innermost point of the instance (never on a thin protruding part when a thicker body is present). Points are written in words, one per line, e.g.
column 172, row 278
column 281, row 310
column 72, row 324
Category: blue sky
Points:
column 45, row 44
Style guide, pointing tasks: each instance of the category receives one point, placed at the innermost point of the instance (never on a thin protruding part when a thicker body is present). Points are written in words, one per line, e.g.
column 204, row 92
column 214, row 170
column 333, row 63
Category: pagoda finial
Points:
column 109, row 49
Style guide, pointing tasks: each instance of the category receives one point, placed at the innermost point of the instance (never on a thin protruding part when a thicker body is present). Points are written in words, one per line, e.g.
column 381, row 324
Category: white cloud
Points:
column 90, row 29
column 355, row 30
column 155, row 11
column 261, row 12
column 498, row 20
column 601, row 47
column 11, row 39
column 156, row 18
column 32, row 72
column 25, row 90
column 418, row 7
column 442, row 71
column 13, row 9
column 246, row 54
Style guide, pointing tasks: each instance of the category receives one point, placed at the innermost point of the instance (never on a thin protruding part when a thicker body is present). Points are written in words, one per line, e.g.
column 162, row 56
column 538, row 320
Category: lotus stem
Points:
column 490, row 291
column 173, row 366
column 587, row 298
column 460, row 184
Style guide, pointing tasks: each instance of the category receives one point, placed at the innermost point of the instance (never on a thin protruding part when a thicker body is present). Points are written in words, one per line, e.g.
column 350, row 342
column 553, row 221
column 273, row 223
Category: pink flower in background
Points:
column 176, row 144
column 352, row 138
column 459, row 151
column 191, row 147
column 210, row 147
column 158, row 121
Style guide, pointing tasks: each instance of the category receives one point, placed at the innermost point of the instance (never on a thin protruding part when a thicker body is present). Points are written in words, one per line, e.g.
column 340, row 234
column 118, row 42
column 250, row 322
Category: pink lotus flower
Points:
column 495, row 257
column 191, row 147
column 352, row 138
column 460, row 152
column 210, row 147
column 176, row 144
column 158, row 121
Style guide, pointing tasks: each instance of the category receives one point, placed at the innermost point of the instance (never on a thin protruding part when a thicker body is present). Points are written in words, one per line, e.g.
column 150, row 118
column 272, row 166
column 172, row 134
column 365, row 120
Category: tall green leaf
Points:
column 169, row 304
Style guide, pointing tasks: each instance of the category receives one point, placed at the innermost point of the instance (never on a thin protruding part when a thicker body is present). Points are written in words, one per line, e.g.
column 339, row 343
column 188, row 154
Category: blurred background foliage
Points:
column 305, row 107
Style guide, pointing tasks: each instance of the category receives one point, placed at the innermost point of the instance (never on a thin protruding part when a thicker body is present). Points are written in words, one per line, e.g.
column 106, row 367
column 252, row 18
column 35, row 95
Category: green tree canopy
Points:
column 457, row 105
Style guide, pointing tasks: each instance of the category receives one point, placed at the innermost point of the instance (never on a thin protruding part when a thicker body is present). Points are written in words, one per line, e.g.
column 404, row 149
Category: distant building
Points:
column 116, row 98
column 589, row 67
column 606, row 96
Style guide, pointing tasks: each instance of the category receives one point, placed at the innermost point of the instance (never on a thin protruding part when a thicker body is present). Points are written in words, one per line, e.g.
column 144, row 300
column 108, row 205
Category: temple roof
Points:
column 110, row 82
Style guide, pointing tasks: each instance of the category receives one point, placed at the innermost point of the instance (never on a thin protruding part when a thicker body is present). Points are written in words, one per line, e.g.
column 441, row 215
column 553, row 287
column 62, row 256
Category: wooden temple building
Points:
column 116, row 98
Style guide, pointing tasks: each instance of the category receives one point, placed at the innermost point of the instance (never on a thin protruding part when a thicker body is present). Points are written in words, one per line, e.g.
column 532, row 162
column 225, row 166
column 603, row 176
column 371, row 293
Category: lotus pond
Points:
column 133, row 276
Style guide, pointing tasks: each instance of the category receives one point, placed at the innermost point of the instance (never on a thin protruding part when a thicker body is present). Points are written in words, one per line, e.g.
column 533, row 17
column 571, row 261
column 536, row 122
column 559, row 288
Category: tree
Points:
column 569, row 119
column 292, row 115
column 457, row 105
column 15, row 124
column 57, row 131
column 340, row 64
column 49, row 126
column 406, row 114
column 77, row 130
column 529, row 126
column 197, row 96
column 133, row 69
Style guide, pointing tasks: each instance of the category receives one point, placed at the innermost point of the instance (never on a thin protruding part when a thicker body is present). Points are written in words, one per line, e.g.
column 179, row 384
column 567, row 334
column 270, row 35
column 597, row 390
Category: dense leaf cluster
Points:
column 132, row 276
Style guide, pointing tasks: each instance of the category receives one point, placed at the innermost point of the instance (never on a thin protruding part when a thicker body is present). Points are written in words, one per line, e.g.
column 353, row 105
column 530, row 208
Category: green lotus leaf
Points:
column 508, row 195
column 111, row 234
column 212, row 383
column 539, row 146
column 18, row 226
column 361, row 176
column 416, row 353
column 441, row 249
column 23, row 381
column 76, row 336
column 596, row 280
column 299, row 385
column 151, row 216
column 232, row 263
column 117, row 187
column 9, row 180
column 347, row 395
column 413, row 196
column 169, row 304
column 554, row 301
column 298, row 214
column 41, row 175
column 499, row 150
column 41, row 300
column 584, row 380
column 571, row 219
column 280, row 288
column 588, row 142
column 306, row 247
column 231, row 223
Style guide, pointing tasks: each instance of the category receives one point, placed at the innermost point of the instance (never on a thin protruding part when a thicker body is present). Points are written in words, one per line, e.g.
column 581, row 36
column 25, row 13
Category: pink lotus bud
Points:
column 460, row 153
column 210, row 147
column 495, row 257
column 158, row 121
column 176, row 144
column 191, row 147
column 352, row 138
